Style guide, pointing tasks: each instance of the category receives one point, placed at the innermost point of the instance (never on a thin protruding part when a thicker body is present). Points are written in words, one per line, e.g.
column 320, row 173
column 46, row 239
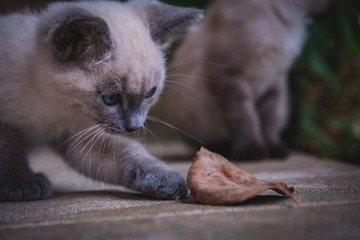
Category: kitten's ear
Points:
column 166, row 22
column 79, row 37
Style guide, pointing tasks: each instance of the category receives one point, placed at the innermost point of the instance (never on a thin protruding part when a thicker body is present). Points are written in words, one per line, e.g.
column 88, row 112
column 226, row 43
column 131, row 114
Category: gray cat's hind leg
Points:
column 247, row 142
column 235, row 99
column 17, row 181
column 273, row 110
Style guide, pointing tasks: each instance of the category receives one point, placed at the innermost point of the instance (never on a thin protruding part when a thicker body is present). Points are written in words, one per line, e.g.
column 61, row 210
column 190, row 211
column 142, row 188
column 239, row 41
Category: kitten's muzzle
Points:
column 120, row 130
column 131, row 129
column 134, row 122
column 127, row 122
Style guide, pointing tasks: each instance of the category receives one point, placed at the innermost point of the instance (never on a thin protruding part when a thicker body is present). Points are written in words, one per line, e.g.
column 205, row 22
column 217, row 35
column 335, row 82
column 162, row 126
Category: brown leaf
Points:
column 214, row 180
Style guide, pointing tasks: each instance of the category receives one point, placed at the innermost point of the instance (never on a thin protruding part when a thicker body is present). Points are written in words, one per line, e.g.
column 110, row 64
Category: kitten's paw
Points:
column 250, row 152
column 172, row 186
column 34, row 188
column 279, row 150
column 164, row 185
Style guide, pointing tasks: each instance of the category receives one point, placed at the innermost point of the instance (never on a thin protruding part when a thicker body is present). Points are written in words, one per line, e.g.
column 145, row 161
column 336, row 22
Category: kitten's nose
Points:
column 131, row 128
column 133, row 122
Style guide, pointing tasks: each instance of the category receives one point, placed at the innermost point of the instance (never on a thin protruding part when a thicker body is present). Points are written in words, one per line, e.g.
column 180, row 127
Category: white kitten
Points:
column 76, row 76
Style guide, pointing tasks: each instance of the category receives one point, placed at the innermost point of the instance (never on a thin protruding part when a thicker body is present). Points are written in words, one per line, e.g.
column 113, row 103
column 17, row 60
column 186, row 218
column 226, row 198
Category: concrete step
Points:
column 84, row 209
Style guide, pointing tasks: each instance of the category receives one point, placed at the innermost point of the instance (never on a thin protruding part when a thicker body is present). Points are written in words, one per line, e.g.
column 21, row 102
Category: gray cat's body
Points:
column 232, row 75
column 76, row 76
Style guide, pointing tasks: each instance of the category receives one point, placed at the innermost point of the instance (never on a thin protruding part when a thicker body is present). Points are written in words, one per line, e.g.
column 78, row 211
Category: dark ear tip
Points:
column 81, row 38
column 198, row 15
column 169, row 22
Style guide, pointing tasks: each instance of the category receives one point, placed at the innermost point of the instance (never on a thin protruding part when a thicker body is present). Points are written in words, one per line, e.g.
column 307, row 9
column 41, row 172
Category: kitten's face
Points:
column 112, row 54
column 121, row 99
column 128, row 83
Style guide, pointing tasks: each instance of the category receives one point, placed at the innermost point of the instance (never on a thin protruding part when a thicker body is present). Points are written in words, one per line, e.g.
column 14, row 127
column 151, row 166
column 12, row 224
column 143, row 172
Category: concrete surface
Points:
column 83, row 209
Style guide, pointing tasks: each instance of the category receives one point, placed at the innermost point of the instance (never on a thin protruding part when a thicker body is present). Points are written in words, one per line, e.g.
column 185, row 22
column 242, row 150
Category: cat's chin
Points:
column 117, row 131
column 114, row 131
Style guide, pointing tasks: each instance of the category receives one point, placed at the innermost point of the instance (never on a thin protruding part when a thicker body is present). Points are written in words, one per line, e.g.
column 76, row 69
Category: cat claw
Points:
column 35, row 188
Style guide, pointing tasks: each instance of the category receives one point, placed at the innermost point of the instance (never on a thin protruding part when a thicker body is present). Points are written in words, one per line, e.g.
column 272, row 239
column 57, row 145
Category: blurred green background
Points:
column 324, row 81
column 325, row 86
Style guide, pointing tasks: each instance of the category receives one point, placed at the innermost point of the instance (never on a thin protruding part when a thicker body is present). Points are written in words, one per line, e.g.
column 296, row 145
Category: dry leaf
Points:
column 214, row 180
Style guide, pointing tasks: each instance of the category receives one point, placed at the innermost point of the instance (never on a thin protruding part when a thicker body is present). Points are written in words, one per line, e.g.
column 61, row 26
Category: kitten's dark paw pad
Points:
column 279, row 151
column 34, row 188
column 250, row 152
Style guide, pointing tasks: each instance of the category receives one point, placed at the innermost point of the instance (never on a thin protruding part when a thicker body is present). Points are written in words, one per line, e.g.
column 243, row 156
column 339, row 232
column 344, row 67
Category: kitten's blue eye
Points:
column 110, row 99
column 150, row 93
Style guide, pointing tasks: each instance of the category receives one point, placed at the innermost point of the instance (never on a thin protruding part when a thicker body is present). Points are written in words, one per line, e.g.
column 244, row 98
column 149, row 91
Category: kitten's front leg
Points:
column 122, row 161
column 17, row 181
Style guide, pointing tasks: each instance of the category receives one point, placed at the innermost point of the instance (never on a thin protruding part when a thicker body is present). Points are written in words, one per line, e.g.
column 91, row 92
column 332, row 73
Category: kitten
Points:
column 76, row 76
column 231, row 75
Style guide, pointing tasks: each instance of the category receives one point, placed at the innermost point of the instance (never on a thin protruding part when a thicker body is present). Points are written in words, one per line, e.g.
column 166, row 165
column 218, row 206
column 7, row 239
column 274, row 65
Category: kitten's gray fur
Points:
column 76, row 76
column 232, row 75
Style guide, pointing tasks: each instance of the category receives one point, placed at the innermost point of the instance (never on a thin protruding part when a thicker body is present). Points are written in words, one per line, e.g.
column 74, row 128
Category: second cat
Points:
column 230, row 76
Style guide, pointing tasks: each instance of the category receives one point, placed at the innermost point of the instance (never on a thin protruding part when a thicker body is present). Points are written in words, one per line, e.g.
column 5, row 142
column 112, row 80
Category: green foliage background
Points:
column 325, row 84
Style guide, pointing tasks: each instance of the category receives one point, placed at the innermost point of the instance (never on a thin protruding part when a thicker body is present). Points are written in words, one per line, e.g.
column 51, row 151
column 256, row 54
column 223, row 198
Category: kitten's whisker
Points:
column 77, row 142
column 90, row 150
column 80, row 134
column 94, row 135
column 188, row 76
column 194, row 61
column 142, row 133
column 113, row 152
column 77, row 134
column 102, row 147
column 95, row 139
column 180, row 92
column 158, row 120
column 172, row 82
column 80, row 139
column 176, row 64
column 156, row 139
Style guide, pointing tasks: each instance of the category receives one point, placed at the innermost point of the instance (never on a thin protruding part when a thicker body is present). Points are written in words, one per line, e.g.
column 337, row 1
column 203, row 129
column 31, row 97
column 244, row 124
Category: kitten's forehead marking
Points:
column 136, row 60
column 139, row 60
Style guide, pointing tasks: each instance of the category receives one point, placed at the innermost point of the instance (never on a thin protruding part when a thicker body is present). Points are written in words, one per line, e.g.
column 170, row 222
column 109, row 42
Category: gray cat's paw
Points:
column 34, row 188
column 167, row 185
